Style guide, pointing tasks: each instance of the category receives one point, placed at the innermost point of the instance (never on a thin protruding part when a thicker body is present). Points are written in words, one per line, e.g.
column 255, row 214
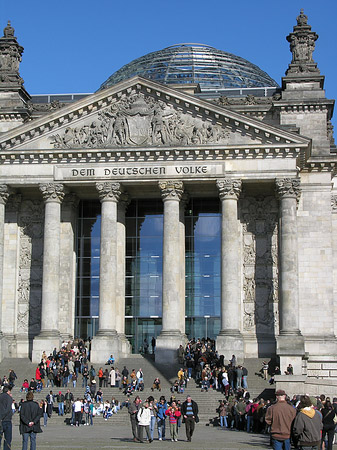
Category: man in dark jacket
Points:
column 6, row 417
column 133, row 409
column 308, row 425
column 189, row 411
column 30, row 415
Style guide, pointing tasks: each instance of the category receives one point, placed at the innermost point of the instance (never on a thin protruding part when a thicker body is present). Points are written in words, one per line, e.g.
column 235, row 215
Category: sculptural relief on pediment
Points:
column 138, row 120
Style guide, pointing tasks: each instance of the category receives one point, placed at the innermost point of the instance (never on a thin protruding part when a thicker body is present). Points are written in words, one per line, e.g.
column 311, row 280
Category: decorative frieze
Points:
column 229, row 188
column 139, row 119
column 259, row 216
column 334, row 204
column 171, row 189
column 30, row 267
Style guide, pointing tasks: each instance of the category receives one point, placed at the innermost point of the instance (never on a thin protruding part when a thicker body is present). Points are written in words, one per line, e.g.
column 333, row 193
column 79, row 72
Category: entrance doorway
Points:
column 137, row 329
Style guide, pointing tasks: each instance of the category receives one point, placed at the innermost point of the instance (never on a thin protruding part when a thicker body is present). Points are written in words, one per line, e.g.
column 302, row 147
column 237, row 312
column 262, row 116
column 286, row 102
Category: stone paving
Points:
column 109, row 435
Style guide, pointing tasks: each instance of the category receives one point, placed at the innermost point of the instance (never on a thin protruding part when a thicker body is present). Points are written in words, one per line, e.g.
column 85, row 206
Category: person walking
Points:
column 308, row 425
column 30, row 415
column 280, row 417
column 6, row 414
column 189, row 411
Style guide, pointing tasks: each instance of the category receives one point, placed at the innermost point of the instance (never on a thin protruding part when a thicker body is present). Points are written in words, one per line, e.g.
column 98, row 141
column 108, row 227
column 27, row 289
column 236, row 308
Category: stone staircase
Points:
column 207, row 401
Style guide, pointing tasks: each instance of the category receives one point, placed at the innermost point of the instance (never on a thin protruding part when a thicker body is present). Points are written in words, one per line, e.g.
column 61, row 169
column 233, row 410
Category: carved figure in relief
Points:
column 139, row 120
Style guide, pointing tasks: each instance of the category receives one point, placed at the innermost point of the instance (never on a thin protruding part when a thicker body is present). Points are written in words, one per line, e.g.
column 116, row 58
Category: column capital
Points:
column 171, row 189
column 71, row 200
column 124, row 200
column 288, row 188
column 109, row 191
column 52, row 192
column 5, row 192
column 229, row 188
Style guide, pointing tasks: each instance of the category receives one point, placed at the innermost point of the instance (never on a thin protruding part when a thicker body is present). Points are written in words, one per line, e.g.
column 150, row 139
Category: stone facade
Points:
column 269, row 161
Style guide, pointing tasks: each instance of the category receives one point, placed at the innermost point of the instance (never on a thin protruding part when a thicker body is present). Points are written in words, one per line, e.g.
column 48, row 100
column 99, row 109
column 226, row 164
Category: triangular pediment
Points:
column 141, row 114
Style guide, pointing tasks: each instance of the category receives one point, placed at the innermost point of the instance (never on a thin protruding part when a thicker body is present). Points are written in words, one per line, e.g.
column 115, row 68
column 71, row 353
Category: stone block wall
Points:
column 316, row 263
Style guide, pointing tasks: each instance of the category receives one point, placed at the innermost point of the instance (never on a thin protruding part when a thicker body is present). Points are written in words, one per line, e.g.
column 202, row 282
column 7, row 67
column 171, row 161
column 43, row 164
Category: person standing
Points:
column 189, row 411
column 307, row 425
column 144, row 419
column 173, row 413
column 69, row 398
column 6, row 414
column 50, row 401
column 60, row 401
column 161, row 407
column 280, row 417
column 30, row 415
column 133, row 411
column 328, row 414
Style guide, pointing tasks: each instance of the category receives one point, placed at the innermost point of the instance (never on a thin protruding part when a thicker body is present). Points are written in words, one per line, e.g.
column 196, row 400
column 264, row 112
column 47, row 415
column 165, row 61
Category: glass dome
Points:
column 194, row 63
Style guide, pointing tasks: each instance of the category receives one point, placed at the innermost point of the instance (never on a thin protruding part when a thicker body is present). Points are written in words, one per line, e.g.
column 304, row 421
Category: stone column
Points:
column 4, row 194
column 290, row 343
column 68, row 266
column 171, row 335
column 229, row 340
column 125, row 347
column 49, row 336
column 183, row 203
column 105, row 342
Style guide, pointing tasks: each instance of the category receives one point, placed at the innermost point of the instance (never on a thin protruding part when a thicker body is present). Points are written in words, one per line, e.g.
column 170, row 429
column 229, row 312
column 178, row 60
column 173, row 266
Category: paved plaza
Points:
column 107, row 435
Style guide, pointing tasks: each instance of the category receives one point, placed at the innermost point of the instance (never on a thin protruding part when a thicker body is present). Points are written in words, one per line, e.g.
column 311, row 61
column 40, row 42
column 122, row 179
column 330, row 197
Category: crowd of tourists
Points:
column 148, row 415
column 201, row 362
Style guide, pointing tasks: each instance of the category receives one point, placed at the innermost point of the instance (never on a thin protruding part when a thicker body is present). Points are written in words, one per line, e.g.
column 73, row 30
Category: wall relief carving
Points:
column 259, row 217
column 30, row 267
column 138, row 119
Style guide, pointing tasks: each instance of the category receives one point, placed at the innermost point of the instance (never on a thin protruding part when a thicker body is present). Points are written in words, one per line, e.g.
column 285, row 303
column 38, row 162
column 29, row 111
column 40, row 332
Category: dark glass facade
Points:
column 144, row 264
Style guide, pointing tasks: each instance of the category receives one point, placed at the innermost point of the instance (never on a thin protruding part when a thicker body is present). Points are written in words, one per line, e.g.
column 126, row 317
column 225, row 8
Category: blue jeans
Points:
column 244, row 382
column 223, row 421
column 25, row 438
column 152, row 425
column 7, row 433
column 161, row 428
column 281, row 445
column 45, row 419
column 61, row 408
column 189, row 370
column 249, row 423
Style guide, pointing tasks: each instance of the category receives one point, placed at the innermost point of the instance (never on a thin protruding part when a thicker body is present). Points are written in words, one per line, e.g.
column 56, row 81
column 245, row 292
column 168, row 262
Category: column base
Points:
column 230, row 343
column 46, row 341
column 125, row 349
column 290, row 350
column 167, row 344
column 102, row 346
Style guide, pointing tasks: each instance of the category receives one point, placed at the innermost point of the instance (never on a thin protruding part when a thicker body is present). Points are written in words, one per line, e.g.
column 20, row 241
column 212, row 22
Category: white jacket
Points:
column 144, row 416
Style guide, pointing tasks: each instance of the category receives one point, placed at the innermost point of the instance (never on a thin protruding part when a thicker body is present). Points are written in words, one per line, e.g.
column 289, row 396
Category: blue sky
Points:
column 73, row 46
